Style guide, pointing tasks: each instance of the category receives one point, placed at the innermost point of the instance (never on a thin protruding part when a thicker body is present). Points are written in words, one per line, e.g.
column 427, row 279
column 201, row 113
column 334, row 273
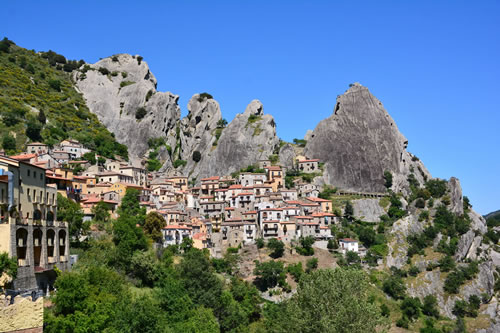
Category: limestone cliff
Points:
column 360, row 141
column 121, row 91
column 249, row 137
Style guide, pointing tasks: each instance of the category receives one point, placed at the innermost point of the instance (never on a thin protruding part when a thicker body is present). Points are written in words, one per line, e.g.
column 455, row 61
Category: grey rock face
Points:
column 287, row 156
column 358, row 142
column 197, row 132
column 457, row 202
column 249, row 137
column 368, row 209
column 116, row 97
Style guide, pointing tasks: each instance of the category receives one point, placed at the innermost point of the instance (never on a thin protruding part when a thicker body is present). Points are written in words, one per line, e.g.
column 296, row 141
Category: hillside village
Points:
column 220, row 212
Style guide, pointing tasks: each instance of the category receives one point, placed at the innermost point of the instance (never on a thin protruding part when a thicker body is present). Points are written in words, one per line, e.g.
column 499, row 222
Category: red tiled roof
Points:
column 347, row 240
column 311, row 160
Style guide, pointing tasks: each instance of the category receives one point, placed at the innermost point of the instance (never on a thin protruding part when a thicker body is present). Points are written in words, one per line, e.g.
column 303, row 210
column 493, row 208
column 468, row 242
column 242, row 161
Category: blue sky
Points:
column 433, row 64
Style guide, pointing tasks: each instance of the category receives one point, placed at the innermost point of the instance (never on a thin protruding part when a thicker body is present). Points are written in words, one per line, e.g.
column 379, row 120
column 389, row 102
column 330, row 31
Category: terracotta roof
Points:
column 318, row 200
column 311, row 160
column 347, row 240
column 210, row 178
column 23, row 157
column 172, row 226
column 250, row 212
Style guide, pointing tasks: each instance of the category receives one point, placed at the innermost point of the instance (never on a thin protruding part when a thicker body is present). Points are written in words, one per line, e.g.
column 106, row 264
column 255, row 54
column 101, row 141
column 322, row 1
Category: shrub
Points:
column 196, row 156
column 394, row 287
column 124, row 75
column 253, row 118
column 411, row 307
column 260, row 243
column 429, row 308
column 420, row 203
column 9, row 143
column 387, row 179
column 311, row 264
column 269, row 274
column 384, row 310
column 295, row 271
column 103, row 70
column 178, row 163
column 139, row 60
column 305, row 247
column 114, row 58
column 413, row 271
column 447, row 263
column 126, row 83
column 277, row 246
column 140, row 113
column 222, row 123
column 204, row 96
column 149, row 94
column 55, row 84
column 300, row 142
column 437, row 187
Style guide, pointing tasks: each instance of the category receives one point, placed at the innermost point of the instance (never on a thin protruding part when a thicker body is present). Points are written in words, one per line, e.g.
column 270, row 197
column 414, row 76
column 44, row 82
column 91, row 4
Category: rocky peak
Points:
column 121, row 91
column 358, row 142
column 254, row 108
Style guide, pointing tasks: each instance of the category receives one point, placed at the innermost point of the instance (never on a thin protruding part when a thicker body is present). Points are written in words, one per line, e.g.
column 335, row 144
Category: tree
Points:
column 41, row 117
column 311, row 264
column 429, row 308
column 140, row 113
column 260, row 243
column 277, row 246
column 332, row 244
column 387, row 179
column 153, row 225
column 9, row 143
column 222, row 123
column 269, row 274
column 90, row 157
column 101, row 214
column 305, row 247
column 394, row 287
column 411, row 307
column 55, row 84
column 348, row 211
column 128, row 238
column 436, row 187
column 447, row 263
column 71, row 212
column 130, row 206
column 7, row 266
column 196, row 156
column 328, row 301
column 352, row 258
column 33, row 130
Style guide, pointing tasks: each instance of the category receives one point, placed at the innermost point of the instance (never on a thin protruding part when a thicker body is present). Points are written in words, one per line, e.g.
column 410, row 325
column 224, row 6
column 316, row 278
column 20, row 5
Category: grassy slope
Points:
column 24, row 85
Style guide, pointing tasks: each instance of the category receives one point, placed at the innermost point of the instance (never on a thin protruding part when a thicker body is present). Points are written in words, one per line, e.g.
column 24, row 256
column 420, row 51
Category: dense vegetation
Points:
column 38, row 103
column 122, row 284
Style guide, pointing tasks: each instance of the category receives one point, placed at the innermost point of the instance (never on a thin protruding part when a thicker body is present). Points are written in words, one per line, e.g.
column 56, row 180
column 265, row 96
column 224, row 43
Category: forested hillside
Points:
column 39, row 103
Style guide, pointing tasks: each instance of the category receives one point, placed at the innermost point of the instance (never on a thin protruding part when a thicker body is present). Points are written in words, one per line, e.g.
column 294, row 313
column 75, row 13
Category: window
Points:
column 34, row 174
column 28, row 192
column 29, row 172
column 41, row 176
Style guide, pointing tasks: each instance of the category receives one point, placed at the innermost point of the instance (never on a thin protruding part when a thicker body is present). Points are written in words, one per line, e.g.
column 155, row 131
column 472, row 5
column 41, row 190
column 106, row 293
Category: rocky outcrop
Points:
column 456, row 199
column 368, row 210
column 119, row 87
column 249, row 137
column 287, row 156
column 360, row 141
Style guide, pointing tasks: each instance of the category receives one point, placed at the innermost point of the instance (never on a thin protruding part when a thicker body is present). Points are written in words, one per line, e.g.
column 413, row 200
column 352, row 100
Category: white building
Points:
column 348, row 244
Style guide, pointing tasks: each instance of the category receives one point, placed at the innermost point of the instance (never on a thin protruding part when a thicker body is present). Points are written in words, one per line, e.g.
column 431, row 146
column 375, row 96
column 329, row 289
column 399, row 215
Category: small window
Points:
column 29, row 172
column 34, row 174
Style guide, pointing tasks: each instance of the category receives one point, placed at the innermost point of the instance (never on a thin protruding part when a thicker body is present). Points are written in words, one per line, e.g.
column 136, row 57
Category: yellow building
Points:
column 29, row 230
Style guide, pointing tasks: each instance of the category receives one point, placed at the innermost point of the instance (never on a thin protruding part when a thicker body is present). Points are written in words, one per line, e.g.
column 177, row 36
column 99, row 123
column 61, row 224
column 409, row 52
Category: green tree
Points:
column 348, row 211
column 90, row 157
column 128, row 238
column 33, row 130
column 311, row 264
column 394, row 287
column 71, row 212
column 222, row 123
column 196, row 156
column 101, row 214
column 387, row 179
column 305, row 247
column 329, row 301
column 130, row 206
column 269, row 274
column 8, row 266
column 277, row 246
column 41, row 117
column 411, row 307
column 9, row 143
column 153, row 225
column 429, row 308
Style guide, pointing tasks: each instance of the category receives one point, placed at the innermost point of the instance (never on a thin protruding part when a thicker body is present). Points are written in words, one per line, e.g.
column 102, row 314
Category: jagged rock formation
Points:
column 359, row 142
column 249, row 137
column 116, row 88
column 368, row 209
column 287, row 156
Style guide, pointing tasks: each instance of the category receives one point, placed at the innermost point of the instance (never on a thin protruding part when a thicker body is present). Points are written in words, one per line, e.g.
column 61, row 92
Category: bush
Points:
column 305, row 247
column 411, row 307
column 420, row 203
column 204, row 96
column 447, row 263
column 269, row 274
column 9, row 143
column 311, row 264
column 387, row 179
column 295, row 271
column 103, row 71
column 260, row 243
column 384, row 310
column 196, row 156
column 413, row 271
column 277, row 246
column 140, row 113
column 114, row 58
column 300, row 142
column 437, row 187
column 55, row 84
column 429, row 308
column 178, row 163
column 394, row 287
